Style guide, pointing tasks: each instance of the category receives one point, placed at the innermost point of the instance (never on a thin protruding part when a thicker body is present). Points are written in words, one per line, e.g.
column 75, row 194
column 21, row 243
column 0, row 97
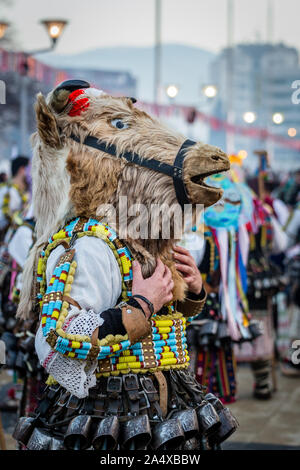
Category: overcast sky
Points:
column 102, row 23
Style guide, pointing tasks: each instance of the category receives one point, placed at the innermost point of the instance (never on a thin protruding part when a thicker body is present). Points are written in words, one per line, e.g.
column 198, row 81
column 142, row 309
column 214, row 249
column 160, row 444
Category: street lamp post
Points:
column 54, row 29
column 157, row 52
column 210, row 91
column 277, row 118
column 172, row 91
column 249, row 117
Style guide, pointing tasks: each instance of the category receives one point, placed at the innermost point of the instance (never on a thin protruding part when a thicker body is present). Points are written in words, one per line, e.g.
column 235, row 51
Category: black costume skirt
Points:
column 129, row 412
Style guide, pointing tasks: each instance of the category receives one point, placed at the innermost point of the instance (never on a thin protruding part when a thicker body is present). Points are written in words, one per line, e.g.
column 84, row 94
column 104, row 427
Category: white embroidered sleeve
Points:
column 20, row 244
column 96, row 287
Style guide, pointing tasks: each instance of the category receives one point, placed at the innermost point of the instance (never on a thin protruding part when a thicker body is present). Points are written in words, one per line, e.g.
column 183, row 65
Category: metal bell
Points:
column 20, row 364
column 56, row 444
column 192, row 444
column 11, row 322
column 204, row 340
column 228, row 426
column 189, row 422
column 10, row 340
column 136, row 433
column 222, row 331
column 167, row 435
column 255, row 329
column 208, row 418
column 215, row 401
column 106, row 435
column 23, row 429
column 209, row 328
column 27, row 344
column 39, row 440
column 77, row 435
column 191, row 336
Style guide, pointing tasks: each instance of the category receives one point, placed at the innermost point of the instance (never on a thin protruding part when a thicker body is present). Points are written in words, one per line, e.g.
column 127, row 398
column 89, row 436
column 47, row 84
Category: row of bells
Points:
column 211, row 419
column 215, row 333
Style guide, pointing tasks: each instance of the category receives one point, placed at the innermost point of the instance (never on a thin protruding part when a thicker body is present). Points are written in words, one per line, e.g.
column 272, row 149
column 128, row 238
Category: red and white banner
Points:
column 14, row 61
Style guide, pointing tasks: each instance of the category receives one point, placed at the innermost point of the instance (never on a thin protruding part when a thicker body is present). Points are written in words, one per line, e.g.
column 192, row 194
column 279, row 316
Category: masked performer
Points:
column 13, row 194
column 19, row 336
column 290, row 366
column 266, row 239
column 27, row 366
column 225, row 319
column 13, row 201
column 112, row 334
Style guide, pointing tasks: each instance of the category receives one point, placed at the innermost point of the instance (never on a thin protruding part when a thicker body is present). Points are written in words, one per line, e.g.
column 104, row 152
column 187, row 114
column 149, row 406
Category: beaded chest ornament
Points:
column 164, row 348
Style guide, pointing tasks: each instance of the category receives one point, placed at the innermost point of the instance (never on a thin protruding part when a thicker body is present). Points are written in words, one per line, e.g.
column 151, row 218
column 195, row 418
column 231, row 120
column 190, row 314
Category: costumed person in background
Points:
column 222, row 263
column 21, row 355
column 266, row 238
column 14, row 198
column 14, row 335
column 13, row 194
column 282, row 305
column 289, row 192
column 290, row 367
column 3, row 177
column 110, row 335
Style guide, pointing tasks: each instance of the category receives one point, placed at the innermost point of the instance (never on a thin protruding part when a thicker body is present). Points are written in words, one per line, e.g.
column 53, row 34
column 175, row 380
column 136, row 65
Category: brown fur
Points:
column 96, row 178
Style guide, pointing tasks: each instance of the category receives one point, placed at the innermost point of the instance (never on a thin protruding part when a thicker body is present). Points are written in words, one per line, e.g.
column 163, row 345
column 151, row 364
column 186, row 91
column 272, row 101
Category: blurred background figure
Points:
column 13, row 193
column 290, row 191
column 222, row 261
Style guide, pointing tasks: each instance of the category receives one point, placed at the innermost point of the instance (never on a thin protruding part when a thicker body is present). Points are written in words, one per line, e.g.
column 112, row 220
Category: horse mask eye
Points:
column 119, row 124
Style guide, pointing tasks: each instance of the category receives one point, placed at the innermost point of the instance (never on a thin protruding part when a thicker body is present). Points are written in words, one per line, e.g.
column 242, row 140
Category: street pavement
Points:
column 266, row 424
column 271, row 424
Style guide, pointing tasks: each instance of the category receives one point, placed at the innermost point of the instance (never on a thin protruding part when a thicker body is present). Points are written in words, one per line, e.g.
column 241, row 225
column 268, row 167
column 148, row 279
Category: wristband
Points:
column 150, row 304
column 134, row 303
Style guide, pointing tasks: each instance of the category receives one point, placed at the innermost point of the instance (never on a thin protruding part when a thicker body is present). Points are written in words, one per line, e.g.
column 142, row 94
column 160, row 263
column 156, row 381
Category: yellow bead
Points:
column 67, row 290
column 61, row 332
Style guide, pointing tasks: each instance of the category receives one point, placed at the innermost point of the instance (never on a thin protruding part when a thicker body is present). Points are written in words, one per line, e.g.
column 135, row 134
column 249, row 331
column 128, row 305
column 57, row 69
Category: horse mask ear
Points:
column 67, row 91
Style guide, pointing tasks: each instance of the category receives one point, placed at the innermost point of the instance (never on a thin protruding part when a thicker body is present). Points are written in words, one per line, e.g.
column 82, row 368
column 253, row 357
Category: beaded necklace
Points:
column 165, row 347
column 6, row 199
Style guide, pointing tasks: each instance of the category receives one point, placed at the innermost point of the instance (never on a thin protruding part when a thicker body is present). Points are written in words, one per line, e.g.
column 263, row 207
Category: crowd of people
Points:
column 249, row 263
column 240, row 264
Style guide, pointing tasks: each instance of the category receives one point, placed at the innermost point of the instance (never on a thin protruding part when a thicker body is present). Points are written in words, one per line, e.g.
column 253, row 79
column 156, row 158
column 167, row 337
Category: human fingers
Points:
column 160, row 268
column 181, row 249
column 167, row 277
column 170, row 286
column 137, row 270
column 184, row 259
column 184, row 268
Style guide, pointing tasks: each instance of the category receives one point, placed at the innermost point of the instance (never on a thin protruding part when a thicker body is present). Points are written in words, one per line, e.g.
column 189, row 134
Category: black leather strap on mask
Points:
column 174, row 171
column 180, row 189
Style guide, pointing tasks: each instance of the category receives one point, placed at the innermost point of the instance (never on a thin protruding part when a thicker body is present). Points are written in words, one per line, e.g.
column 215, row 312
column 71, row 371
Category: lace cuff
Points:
column 77, row 376
column 82, row 323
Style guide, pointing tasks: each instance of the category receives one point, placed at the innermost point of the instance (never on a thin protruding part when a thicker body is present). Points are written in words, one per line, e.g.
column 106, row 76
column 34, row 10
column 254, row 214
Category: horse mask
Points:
column 91, row 149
